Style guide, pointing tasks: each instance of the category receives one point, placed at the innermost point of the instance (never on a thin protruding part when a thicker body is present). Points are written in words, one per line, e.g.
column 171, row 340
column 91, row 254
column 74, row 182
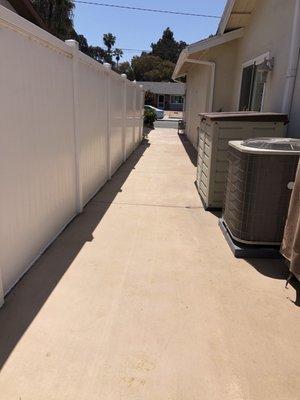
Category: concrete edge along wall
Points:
column 67, row 123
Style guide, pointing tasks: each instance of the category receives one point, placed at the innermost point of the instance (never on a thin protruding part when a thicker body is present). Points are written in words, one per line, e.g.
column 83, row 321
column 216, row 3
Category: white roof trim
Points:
column 214, row 41
column 225, row 17
column 204, row 45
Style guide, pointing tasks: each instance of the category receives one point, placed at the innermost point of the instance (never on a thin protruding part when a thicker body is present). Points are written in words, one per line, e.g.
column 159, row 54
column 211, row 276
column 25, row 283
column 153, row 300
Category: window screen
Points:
column 246, row 88
column 258, row 90
column 252, row 89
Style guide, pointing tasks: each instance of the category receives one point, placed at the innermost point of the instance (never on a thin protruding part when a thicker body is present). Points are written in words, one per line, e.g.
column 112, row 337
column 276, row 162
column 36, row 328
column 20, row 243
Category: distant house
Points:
column 25, row 9
column 252, row 63
column 167, row 95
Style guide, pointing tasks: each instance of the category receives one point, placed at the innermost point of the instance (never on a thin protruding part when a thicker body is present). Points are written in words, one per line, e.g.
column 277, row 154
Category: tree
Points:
column 167, row 48
column 83, row 43
column 159, row 64
column 109, row 41
column 97, row 53
column 118, row 53
column 58, row 16
column 126, row 68
column 151, row 68
column 150, row 98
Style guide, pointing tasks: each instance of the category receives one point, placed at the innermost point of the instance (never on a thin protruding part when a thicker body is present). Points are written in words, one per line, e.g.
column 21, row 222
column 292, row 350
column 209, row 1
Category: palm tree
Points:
column 118, row 53
column 109, row 40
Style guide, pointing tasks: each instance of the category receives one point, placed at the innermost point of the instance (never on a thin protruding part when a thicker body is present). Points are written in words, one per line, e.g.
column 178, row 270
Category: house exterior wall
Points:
column 269, row 30
column 168, row 105
column 197, row 95
column 225, row 58
column 172, row 88
column 199, row 83
column 294, row 125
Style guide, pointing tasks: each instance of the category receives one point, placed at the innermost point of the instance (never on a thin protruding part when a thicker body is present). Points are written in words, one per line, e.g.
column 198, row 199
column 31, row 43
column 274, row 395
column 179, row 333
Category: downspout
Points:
column 212, row 65
column 292, row 62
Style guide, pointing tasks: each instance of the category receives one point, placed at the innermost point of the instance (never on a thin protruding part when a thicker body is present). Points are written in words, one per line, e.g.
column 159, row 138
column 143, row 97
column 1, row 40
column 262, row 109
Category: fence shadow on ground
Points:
column 24, row 302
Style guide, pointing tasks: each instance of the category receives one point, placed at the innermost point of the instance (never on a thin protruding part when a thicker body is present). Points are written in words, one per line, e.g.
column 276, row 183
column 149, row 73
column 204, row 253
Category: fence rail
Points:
column 67, row 123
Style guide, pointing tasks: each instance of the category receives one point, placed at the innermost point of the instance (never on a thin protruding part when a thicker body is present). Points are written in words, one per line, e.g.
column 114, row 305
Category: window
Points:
column 176, row 100
column 161, row 101
column 253, row 85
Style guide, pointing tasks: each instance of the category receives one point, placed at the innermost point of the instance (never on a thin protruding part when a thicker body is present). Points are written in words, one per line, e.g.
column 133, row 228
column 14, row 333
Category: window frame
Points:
column 161, row 102
column 176, row 95
column 254, row 61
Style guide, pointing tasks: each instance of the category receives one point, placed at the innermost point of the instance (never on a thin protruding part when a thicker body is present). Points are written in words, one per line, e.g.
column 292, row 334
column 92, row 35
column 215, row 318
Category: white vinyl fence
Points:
column 66, row 125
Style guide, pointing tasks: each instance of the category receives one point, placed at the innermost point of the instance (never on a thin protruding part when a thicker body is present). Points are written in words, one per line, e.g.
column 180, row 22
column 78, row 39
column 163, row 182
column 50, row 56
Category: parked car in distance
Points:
column 159, row 113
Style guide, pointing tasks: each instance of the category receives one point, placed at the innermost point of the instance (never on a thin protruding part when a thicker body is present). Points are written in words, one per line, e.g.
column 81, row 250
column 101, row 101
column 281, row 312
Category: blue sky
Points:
column 136, row 29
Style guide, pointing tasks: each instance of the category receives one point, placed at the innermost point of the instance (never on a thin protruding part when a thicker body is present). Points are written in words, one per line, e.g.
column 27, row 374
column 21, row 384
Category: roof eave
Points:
column 182, row 57
column 225, row 17
column 204, row 45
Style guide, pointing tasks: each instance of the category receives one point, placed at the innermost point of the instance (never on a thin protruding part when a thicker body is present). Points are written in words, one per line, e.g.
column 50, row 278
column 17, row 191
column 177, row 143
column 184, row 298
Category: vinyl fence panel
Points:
column 139, row 114
column 37, row 148
column 129, row 135
column 92, row 109
column 116, row 127
column 62, row 126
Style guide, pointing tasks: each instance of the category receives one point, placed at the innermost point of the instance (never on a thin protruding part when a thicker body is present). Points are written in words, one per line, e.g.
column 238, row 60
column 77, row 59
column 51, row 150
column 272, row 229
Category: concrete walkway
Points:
column 141, row 299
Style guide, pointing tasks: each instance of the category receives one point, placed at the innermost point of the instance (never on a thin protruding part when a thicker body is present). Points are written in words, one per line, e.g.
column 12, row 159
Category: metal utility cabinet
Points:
column 216, row 130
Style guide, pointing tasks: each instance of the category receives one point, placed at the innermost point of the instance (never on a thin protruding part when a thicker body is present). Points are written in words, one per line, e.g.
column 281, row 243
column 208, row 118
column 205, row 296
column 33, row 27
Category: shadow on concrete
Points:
column 26, row 299
column 295, row 284
column 276, row 269
column 189, row 148
column 147, row 130
column 272, row 268
column 216, row 212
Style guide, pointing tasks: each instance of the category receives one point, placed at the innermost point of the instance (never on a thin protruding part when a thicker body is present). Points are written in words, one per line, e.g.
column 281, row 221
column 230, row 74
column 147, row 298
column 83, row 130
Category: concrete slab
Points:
column 141, row 298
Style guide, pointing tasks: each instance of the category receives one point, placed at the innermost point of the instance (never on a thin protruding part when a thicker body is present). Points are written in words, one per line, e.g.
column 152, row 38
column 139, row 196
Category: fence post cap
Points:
column 134, row 82
column 124, row 76
column 107, row 65
column 72, row 43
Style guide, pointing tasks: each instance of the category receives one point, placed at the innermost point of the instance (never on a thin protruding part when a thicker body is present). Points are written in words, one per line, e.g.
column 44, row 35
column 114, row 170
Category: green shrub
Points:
column 149, row 117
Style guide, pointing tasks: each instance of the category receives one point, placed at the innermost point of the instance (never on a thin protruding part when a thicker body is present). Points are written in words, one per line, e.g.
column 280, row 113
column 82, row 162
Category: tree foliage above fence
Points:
column 167, row 48
column 58, row 16
column 151, row 68
column 156, row 65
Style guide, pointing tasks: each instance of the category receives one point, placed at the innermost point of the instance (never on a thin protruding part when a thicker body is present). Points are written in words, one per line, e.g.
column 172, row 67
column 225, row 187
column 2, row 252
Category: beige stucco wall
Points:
column 199, row 85
column 197, row 97
column 6, row 4
column 294, row 125
column 269, row 31
column 225, row 58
